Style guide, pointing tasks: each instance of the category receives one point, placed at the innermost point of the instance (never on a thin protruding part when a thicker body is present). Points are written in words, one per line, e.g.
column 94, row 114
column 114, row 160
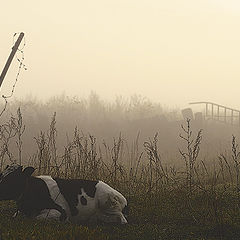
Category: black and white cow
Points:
column 54, row 198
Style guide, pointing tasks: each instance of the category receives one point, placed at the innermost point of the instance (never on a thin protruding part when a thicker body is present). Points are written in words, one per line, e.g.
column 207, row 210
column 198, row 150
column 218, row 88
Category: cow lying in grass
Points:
column 55, row 198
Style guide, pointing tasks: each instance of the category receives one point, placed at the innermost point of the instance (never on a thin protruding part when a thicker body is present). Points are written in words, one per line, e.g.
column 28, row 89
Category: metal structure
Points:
column 220, row 113
column 10, row 58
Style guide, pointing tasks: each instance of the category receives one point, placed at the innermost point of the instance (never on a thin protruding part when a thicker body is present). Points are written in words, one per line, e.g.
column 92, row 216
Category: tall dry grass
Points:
column 198, row 189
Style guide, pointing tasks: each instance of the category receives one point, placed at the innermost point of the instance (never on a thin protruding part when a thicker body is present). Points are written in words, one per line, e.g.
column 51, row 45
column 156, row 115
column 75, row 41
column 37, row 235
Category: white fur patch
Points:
column 106, row 206
column 85, row 212
column 56, row 196
column 111, row 203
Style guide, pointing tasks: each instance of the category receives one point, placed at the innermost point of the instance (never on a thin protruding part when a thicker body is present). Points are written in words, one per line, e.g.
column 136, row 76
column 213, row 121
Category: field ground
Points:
column 190, row 198
column 167, row 218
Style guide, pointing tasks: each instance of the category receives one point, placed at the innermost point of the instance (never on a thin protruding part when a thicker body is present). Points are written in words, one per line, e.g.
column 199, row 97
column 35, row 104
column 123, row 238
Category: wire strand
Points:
column 21, row 66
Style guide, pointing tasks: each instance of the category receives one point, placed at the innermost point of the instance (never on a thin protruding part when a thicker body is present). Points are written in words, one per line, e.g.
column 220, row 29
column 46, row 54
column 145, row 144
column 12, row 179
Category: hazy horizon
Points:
column 172, row 52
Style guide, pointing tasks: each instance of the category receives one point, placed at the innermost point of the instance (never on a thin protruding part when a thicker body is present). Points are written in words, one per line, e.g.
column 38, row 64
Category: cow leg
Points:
column 30, row 209
column 63, row 215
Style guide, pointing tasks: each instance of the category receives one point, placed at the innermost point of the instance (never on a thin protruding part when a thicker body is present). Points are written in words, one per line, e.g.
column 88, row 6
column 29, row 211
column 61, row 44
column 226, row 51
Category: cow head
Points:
column 13, row 181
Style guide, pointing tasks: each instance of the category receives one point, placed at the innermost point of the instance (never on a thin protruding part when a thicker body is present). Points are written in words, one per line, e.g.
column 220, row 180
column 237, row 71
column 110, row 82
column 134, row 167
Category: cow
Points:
column 75, row 200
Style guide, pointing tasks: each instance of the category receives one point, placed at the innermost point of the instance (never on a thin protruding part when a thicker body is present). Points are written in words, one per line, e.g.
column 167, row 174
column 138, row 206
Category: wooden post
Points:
column 232, row 118
column 218, row 117
column 10, row 58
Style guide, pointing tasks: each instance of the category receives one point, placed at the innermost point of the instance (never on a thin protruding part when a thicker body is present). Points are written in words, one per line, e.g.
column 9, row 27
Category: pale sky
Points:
column 171, row 51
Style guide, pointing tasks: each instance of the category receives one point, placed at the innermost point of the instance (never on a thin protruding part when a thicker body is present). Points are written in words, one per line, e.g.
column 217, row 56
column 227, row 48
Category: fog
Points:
column 124, row 68
column 134, row 120
column 173, row 52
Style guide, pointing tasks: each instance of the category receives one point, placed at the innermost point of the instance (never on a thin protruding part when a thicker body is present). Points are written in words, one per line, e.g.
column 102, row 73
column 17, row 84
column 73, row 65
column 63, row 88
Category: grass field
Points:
column 198, row 200
column 169, row 216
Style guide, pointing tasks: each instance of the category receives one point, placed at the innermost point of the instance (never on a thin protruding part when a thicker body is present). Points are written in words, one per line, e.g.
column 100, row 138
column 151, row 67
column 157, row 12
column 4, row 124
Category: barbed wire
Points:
column 21, row 66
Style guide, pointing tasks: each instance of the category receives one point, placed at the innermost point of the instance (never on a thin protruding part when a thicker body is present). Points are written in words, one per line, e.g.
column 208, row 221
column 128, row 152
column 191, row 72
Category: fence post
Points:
column 11, row 56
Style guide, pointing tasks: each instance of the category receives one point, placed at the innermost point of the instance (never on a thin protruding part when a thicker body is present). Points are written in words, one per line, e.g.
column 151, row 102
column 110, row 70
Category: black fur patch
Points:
column 83, row 200
column 71, row 188
column 36, row 197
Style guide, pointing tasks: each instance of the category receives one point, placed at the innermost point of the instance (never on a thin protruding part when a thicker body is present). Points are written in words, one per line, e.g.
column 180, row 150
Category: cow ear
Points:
column 28, row 171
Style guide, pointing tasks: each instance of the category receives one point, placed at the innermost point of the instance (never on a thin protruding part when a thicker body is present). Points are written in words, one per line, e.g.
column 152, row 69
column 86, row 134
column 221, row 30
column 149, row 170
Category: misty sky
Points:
column 172, row 51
